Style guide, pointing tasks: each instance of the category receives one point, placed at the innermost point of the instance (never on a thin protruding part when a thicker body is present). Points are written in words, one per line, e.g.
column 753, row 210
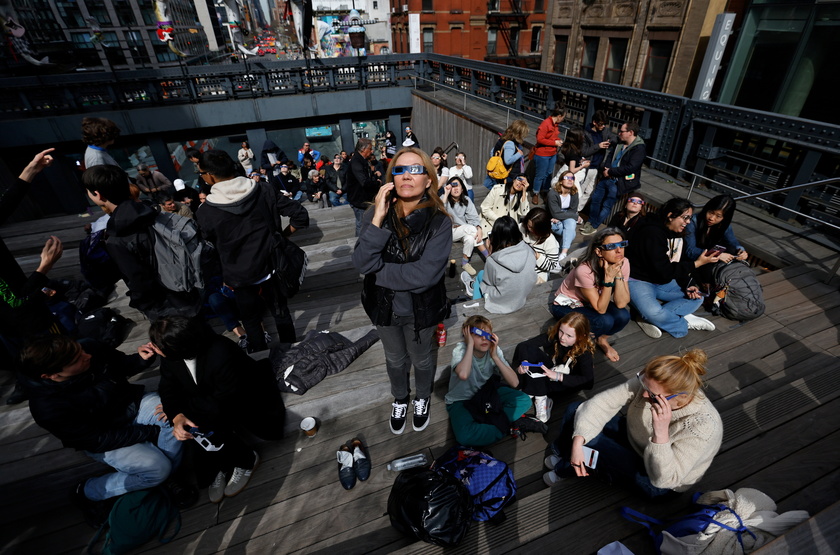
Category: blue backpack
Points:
column 489, row 481
column 687, row 525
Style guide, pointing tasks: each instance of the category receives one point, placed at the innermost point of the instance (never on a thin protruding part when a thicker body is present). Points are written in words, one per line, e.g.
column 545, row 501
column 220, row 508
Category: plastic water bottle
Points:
column 440, row 335
column 405, row 463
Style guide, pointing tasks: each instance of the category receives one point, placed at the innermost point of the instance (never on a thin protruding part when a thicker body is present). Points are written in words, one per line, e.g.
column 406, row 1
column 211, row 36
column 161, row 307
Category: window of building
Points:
column 514, row 42
column 428, row 40
column 427, row 6
column 590, row 54
column 125, row 14
column 615, row 61
column 536, row 39
column 81, row 40
column 375, row 5
column 99, row 13
column 492, row 35
column 493, row 6
column 656, row 65
column 561, row 46
column 71, row 14
column 136, row 48
column 162, row 51
column 539, row 5
column 148, row 12
column 113, row 49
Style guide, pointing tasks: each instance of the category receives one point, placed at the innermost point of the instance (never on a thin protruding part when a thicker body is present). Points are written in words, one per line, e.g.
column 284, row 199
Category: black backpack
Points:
column 104, row 325
column 431, row 506
column 742, row 295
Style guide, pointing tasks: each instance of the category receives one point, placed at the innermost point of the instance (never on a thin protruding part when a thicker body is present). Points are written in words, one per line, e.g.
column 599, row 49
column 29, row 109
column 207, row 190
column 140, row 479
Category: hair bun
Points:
column 696, row 358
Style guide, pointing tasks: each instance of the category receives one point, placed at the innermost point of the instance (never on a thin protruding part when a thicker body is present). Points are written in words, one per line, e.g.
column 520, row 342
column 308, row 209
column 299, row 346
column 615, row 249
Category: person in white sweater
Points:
column 465, row 222
column 505, row 199
column 465, row 172
column 673, row 431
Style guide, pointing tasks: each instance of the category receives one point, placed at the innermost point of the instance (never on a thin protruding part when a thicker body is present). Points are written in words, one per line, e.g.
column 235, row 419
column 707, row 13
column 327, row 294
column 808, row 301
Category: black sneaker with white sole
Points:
column 526, row 424
column 398, row 415
column 421, row 414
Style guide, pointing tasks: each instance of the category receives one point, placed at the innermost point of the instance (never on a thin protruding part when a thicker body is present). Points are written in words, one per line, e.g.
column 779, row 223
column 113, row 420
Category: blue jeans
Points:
column 618, row 463
column 489, row 182
column 565, row 231
column 138, row 466
column 668, row 317
column 608, row 323
column 543, row 166
column 358, row 213
column 477, row 285
column 335, row 199
column 601, row 202
column 224, row 308
column 471, row 195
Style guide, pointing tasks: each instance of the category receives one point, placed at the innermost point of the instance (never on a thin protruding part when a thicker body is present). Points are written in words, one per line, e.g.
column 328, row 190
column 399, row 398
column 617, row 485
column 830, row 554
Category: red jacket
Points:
column 547, row 134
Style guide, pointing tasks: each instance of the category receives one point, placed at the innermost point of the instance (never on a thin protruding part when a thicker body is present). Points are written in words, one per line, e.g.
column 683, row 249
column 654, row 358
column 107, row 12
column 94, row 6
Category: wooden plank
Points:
column 819, row 535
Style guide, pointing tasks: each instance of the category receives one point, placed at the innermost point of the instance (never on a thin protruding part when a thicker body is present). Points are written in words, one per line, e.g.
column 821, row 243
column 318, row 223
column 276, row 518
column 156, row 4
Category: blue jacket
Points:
column 693, row 251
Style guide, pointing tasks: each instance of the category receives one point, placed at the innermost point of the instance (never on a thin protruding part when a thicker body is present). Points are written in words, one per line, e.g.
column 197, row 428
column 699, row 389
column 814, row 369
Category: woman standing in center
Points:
column 403, row 249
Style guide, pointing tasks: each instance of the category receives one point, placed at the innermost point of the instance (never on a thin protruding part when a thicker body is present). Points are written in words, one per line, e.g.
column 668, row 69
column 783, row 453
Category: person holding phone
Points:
column 465, row 172
column 665, row 444
column 710, row 233
column 403, row 250
column 661, row 274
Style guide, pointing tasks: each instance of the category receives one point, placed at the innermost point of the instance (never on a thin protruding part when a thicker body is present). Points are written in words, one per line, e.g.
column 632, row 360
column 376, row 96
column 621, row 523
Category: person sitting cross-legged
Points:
column 80, row 393
column 478, row 364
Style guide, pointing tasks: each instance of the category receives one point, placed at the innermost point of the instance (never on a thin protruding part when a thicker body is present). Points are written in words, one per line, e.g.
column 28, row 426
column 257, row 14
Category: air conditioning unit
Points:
column 405, row 7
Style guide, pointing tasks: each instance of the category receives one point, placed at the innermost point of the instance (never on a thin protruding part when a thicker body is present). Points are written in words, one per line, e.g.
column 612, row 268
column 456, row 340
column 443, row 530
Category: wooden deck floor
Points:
column 775, row 381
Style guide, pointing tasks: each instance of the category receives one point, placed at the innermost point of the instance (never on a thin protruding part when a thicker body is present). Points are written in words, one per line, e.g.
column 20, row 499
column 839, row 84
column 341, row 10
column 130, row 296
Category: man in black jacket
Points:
column 130, row 245
column 80, row 393
column 621, row 175
column 362, row 185
column 240, row 218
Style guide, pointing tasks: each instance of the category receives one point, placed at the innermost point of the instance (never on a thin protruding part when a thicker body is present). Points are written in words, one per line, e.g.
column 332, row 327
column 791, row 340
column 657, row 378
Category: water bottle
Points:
column 405, row 463
column 440, row 335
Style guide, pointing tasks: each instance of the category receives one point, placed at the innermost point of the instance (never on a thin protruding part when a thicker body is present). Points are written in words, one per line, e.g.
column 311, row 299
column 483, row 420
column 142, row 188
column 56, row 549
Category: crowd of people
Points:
column 409, row 208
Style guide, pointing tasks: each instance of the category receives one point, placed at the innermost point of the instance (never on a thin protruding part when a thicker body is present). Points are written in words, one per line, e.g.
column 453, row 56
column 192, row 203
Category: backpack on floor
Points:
column 743, row 299
column 686, row 525
column 430, row 506
column 178, row 249
column 490, row 481
column 105, row 325
column 137, row 517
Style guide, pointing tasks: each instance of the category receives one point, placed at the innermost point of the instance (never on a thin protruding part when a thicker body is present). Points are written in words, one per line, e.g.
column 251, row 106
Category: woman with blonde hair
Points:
column 510, row 148
column 562, row 203
column 665, row 444
column 403, row 249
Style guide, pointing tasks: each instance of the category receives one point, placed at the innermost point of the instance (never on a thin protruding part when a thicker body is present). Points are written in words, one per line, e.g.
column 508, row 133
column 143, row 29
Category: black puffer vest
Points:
column 431, row 306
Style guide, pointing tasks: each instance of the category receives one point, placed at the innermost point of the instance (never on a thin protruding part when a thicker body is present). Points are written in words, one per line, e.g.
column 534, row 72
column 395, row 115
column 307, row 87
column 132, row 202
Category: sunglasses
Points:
column 650, row 393
column 636, row 201
column 569, row 178
column 613, row 246
column 415, row 169
column 481, row 333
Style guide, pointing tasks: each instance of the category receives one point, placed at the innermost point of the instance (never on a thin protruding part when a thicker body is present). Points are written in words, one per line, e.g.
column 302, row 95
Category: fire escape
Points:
column 507, row 18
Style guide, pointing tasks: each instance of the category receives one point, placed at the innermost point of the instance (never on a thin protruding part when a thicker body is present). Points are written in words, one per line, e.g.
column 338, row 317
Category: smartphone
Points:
column 590, row 457
column 716, row 250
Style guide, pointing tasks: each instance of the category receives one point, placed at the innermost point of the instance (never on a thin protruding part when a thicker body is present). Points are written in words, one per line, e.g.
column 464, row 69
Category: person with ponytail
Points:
column 564, row 359
column 665, row 444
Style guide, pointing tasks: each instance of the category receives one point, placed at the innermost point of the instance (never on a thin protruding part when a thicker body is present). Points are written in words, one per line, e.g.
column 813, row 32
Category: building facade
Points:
column 502, row 31
column 656, row 45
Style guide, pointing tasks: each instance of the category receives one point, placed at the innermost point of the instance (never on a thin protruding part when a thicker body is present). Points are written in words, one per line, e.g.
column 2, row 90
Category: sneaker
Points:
column 552, row 461
column 650, row 330
column 398, row 415
column 540, row 402
column 184, row 495
column 346, row 474
column 549, row 404
column 587, row 229
column 240, row 478
column 361, row 462
column 243, row 342
column 469, row 269
column 421, row 414
column 468, row 281
column 526, row 424
column 267, row 337
column 216, row 490
column 95, row 512
column 551, row 478
column 698, row 323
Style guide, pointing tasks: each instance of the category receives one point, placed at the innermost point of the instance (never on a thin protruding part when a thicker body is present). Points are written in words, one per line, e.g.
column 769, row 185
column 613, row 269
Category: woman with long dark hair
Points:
column 712, row 228
column 465, row 222
column 661, row 286
column 439, row 161
column 628, row 218
column 505, row 199
column 564, row 362
column 536, row 231
column 403, row 249
column 597, row 288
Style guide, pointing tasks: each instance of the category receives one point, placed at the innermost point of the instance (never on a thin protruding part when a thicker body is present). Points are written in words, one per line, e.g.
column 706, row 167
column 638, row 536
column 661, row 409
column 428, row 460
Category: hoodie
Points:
column 237, row 219
column 509, row 276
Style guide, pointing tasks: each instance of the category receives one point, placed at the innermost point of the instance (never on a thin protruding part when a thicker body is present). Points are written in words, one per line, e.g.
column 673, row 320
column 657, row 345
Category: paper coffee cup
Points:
column 309, row 426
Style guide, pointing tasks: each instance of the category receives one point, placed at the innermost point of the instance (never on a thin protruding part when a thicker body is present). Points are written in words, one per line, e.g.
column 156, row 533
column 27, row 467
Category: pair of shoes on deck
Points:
column 527, row 424
column 694, row 323
column 240, row 477
column 353, row 463
column 399, row 414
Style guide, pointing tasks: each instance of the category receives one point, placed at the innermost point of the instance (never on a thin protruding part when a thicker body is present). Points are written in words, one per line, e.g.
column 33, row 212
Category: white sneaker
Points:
column 551, row 461
column 551, row 478
column 217, row 488
column 468, row 281
column 650, row 330
column 540, row 402
column 698, row 323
